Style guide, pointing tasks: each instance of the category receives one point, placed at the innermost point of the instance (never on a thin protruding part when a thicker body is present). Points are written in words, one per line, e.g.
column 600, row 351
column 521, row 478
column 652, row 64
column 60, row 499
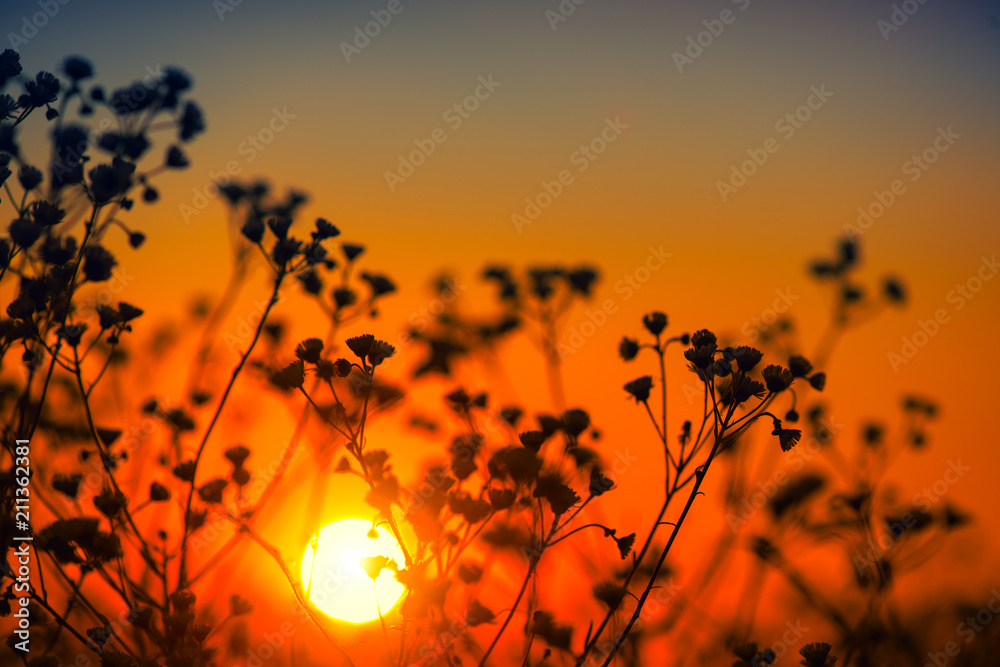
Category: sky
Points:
column 736, row 139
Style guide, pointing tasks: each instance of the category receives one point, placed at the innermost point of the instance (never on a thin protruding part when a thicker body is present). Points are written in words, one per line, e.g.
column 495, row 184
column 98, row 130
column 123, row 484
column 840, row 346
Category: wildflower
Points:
column 872, row 434
column 477, row 614
column 24, row 232
column 541, row 282
column 722, row 367
column 344, row 296
column 361, row 345
column 107, row 316
column 599, row 484
column 285, row 249
column 310, row 280
column 8, row 144
column 211, row 491
column 176, row 79
column 559, row 496
column 279, row 226
column 654, row 322
column 955, row 518
column 379, row 284
column 473, row 510
column 351, row 250
column 195, row 519
column 380, row 351
column 533, row 440
column 77, row 68
column 575, row 421
column 136, row 239
column 818, row 381
column 128, row 312
column 182, row 600
column 791, row 416
column 291, row 376
column 69, row 486
column 97, row 263
column 158, row 493
column 628, row 349
column 309, row 350
column 109, row 502
column 852, row 294
column 469, row 573
column 610, row 593
column 511, row 414
column 704, row 338
column 8, row 109
column 342, row 368
column 625, row 544
column 192, row 122
column 582, row 280
column 72, row 333
column 817, row 654
column 751, row 657
column 787, row 437
column 893, row 290
column 324, row 230
column 639, row 388
column 776, row 378
column 700, row 357
column 29, row 177
column 558, row 636
column 176, row 158
column 501, row 499
column 239, row 605
column 185, row 470
column 201, row 631
column 253, row 229
column 43, row 89
column 10, row 65
column 799, row 366
column 110, row 181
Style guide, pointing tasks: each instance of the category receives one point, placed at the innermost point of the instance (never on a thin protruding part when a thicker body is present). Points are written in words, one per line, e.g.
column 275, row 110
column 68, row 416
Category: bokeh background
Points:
column 346, row 122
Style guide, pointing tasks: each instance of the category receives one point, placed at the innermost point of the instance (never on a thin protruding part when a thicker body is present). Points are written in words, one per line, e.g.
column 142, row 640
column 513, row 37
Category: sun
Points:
column 334, row 580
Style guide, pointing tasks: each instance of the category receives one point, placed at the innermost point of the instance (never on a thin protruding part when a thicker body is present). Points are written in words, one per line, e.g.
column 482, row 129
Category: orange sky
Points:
column 656, row 185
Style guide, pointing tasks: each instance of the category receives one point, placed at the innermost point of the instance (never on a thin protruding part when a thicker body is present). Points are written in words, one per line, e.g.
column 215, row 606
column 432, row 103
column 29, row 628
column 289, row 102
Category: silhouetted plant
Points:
column 510, row 482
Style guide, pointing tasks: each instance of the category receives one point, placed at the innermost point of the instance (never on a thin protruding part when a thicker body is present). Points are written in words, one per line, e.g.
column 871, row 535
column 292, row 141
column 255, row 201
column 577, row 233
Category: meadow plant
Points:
column 512, row 492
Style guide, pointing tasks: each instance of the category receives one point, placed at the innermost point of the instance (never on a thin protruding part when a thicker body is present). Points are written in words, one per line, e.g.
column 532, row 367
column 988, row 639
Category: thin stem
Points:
column 182, row 570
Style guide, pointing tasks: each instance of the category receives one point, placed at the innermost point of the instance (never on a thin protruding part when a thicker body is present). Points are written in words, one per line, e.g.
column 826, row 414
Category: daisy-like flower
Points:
column 639, row 388
column 777, row 378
